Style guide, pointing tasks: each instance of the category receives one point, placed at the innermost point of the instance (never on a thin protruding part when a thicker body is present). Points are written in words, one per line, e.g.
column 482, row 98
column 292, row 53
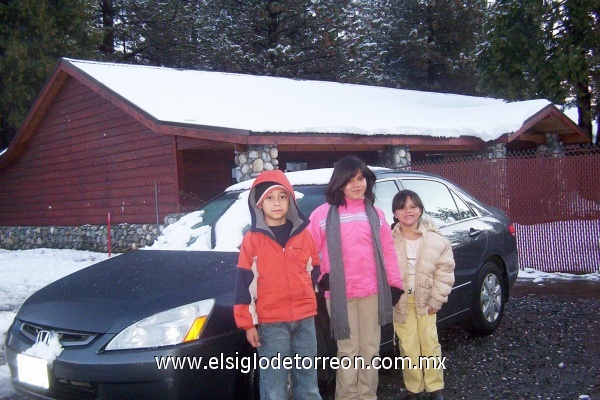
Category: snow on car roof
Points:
column 190, row 233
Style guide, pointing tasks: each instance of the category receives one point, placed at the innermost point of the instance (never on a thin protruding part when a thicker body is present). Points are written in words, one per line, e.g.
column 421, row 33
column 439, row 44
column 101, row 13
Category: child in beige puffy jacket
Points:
column 427, row 270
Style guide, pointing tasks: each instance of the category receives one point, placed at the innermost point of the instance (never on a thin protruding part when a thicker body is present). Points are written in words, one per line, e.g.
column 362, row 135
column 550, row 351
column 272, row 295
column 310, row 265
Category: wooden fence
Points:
column 553, row 200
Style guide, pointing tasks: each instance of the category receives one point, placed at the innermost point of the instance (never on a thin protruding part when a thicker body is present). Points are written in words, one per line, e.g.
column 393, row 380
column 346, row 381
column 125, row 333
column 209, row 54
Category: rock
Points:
column 257, row 165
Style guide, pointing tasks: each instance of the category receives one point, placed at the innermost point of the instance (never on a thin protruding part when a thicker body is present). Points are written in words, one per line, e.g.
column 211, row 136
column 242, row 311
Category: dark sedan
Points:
column 159, row 323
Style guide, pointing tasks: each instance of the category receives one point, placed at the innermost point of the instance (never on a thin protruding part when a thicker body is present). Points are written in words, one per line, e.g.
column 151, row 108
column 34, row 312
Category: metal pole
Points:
column 156, row 201
column 109, row 237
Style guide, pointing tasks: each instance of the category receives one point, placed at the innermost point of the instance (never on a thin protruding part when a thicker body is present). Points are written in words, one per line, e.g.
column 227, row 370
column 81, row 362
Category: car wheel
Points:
column 487, row 305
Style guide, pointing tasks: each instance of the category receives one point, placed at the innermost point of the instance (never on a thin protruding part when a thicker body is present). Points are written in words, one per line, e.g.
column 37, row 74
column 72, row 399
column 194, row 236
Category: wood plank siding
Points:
column 204, row 175
column 89, row 158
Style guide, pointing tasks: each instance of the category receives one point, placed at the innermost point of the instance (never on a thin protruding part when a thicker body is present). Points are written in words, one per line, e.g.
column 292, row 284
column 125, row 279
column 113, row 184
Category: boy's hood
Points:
column 294, row 214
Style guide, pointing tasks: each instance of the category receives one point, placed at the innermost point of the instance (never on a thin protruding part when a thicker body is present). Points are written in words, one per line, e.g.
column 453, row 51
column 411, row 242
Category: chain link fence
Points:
column 553, row 198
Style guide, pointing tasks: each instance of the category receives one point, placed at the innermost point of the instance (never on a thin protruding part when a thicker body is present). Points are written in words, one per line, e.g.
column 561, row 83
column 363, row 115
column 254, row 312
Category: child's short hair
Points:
column 344, row 170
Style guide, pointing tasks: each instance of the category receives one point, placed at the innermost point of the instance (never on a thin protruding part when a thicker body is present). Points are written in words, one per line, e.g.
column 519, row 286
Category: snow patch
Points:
column 46, row 350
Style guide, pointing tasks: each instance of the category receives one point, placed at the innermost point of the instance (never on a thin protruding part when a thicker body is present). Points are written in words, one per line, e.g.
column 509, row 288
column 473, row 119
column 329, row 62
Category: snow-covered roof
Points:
column 264, row 104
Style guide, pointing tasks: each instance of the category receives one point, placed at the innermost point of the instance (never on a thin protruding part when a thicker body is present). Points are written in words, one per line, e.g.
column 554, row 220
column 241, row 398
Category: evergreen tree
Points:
column 298, row 38
column 543, row 49
column 34, row 34
column 280, row 38
column 429, row 43
column 365, row 27
column 574, row 44
column 511, row 58
column 169, row 33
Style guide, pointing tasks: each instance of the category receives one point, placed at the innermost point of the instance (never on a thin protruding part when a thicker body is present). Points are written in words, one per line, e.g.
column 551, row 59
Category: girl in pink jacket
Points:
column 359, row 272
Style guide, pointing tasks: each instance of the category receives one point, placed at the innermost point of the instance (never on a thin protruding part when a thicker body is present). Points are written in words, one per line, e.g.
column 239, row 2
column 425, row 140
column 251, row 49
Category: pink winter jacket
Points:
column 357, row 248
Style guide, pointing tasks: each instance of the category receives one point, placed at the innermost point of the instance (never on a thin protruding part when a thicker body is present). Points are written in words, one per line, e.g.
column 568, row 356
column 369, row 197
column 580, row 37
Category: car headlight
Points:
column 174, row 326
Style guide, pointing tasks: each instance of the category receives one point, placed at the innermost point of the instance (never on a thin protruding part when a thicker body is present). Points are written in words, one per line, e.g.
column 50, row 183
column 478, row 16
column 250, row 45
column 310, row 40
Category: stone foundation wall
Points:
column 124, row 237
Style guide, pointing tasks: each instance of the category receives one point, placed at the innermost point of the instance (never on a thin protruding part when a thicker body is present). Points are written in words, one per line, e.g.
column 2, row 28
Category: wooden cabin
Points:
column 143, row 142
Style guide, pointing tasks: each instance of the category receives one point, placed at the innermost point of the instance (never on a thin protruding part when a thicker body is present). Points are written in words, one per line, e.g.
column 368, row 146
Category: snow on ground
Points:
column 539, row 276
column 25, row 271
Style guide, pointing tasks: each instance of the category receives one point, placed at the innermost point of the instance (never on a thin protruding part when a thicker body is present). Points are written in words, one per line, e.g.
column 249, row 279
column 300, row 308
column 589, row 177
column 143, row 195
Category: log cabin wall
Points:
column 86, row 159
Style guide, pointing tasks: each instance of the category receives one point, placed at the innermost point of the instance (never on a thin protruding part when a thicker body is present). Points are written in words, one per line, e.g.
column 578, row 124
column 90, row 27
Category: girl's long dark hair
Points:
column 344, row 170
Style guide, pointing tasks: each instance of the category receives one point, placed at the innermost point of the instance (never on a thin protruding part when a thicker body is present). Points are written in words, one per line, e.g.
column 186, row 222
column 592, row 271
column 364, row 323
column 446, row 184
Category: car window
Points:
column 439, row 202
column 384, row 194
column 309, row 197
column 231, row 225
column 463, row 209
column 215, row 208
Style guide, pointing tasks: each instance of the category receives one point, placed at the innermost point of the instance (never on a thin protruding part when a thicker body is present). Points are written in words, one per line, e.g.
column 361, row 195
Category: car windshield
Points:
column 221, row 223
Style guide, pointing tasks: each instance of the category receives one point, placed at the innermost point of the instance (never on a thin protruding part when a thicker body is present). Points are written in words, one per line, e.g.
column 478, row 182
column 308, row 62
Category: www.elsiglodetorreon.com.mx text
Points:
column 247, row 363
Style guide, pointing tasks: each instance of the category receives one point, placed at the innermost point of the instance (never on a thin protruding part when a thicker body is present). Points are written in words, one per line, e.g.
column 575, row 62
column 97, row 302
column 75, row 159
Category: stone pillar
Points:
column 258, row 158
column 497, row 150
column 395, row 157
column 553, row 145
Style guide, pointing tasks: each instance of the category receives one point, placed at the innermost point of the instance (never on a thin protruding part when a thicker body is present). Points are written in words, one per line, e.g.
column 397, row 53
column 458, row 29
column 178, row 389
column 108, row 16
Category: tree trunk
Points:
column 584, row 107
column 108, row 15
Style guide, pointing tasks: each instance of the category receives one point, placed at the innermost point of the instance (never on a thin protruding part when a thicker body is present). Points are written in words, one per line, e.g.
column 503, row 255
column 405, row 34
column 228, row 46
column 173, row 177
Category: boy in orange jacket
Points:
column 275, row 299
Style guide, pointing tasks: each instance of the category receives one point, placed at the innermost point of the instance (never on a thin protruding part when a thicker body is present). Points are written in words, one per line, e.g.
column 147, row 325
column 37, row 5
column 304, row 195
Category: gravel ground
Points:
column 547, row 347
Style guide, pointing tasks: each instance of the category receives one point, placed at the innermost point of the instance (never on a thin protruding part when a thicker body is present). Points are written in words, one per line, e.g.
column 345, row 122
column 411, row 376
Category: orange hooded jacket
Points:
column 274, row 283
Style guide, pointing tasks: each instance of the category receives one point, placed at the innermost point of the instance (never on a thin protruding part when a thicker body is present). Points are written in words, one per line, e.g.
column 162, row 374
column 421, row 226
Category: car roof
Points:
column 322, row 176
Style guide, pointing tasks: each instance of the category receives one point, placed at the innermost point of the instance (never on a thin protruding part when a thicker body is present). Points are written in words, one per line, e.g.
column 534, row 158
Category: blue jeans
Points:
column 286, row 339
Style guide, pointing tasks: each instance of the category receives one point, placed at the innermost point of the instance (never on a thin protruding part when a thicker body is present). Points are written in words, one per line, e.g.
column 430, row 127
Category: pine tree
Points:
column 573, row 42
column 430, row 42
column 279, row 38
column 169, row 33
column 34, row 34
column 543, row 49
column 365, row 27
column 511, row 57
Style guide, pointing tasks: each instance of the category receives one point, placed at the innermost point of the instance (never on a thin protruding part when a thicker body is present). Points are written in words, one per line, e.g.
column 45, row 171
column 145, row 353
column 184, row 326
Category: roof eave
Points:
column 575, row 134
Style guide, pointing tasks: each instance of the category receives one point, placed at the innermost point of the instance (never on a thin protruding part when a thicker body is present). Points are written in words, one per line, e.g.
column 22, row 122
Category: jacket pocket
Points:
column 423, row 291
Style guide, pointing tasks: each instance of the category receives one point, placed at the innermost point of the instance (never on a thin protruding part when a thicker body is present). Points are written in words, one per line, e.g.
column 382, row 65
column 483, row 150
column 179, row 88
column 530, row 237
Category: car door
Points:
column 385, row 190
column 462, row 226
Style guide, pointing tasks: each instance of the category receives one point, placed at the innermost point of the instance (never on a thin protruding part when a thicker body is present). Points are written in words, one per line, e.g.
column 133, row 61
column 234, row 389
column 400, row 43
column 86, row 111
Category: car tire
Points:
column 487, row 305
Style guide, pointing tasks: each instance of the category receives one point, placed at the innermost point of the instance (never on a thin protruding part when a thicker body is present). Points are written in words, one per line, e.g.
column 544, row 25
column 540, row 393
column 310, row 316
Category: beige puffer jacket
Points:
column 435, row 270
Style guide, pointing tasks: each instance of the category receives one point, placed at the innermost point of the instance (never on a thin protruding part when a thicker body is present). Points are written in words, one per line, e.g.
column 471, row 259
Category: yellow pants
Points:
column 418, row 337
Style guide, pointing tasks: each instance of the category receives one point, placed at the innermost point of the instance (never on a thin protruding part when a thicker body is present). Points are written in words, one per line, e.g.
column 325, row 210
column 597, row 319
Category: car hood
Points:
column 110, row 295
